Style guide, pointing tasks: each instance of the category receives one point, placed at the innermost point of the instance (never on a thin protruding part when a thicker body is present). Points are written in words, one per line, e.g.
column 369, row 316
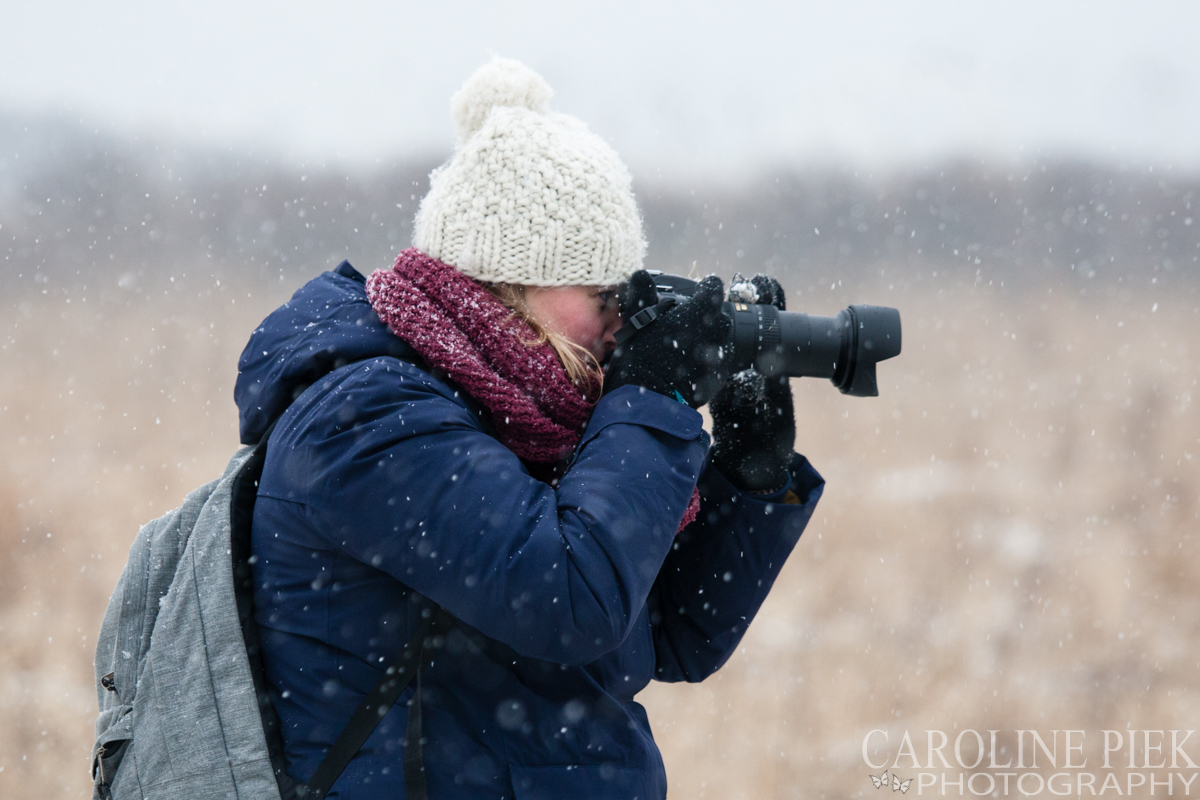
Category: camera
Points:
column 844, row 348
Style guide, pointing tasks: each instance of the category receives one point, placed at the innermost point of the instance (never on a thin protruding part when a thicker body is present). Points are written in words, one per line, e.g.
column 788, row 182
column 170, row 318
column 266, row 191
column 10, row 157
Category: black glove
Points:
column 754, row 422
column 682, row 353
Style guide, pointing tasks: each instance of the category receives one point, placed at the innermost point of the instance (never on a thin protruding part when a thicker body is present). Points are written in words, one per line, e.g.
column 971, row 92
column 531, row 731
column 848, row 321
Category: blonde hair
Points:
column 581, row 366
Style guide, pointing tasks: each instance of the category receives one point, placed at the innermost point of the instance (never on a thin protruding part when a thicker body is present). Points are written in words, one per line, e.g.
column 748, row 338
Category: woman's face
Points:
column 586, row 315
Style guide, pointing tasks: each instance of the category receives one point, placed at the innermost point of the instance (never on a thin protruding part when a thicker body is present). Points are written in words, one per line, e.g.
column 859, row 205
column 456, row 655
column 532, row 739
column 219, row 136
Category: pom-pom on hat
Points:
column 530, row 196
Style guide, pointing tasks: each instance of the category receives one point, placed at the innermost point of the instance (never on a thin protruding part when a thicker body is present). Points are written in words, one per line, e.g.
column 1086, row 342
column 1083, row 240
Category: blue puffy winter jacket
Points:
column 383, row 491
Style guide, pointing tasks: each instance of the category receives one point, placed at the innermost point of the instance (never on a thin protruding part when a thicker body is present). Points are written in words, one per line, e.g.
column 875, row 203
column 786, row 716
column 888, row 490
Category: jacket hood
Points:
column 327, row 324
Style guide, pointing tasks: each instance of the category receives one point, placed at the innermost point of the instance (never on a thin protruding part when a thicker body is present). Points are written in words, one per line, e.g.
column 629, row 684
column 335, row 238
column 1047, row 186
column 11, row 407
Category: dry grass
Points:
column 1006, row 540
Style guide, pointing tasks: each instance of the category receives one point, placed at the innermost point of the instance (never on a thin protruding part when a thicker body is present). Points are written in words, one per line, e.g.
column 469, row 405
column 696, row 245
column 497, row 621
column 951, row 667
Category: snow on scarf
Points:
column 460, row 328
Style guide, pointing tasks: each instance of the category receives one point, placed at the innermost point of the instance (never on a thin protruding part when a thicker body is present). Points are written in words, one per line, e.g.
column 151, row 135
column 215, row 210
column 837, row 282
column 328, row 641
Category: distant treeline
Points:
column 82, row 205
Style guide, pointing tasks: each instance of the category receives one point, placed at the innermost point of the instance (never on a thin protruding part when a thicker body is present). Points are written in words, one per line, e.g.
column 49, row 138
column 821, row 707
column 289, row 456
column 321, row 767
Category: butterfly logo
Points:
column 883, row 781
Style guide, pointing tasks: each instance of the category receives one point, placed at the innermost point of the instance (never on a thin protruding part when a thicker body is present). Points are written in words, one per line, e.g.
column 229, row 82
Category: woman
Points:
column 444, row 437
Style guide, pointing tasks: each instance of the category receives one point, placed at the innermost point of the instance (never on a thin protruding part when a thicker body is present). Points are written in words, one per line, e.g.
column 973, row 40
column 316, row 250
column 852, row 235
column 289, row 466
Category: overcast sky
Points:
column 685, row 88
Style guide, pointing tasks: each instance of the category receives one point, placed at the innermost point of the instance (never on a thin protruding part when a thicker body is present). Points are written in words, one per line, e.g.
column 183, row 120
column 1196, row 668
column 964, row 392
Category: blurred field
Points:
column 1007, row 539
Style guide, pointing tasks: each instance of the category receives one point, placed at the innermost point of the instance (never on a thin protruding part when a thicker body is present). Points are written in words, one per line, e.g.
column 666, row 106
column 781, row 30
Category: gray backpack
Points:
column 179, row 710
column 184, row 709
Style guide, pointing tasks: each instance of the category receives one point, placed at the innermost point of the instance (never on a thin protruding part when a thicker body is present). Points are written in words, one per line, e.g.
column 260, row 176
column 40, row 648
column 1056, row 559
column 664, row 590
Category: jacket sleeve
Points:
column 721, row 567
column 408, row 482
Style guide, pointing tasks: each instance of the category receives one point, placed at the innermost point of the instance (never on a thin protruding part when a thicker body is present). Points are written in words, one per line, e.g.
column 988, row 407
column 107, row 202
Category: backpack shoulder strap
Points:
column 241, row 513
column 416, row 785
column 399, row 674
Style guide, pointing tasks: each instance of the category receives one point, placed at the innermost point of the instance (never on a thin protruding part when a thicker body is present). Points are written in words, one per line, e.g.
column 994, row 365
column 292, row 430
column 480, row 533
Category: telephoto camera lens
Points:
column 844, row 348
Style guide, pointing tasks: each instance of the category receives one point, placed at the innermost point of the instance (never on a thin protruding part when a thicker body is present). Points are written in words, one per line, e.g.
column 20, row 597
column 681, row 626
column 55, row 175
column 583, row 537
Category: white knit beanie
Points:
column 530, row 196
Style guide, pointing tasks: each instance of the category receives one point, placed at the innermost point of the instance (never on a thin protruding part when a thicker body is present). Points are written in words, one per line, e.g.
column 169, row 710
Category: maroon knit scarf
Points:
column 460, row 328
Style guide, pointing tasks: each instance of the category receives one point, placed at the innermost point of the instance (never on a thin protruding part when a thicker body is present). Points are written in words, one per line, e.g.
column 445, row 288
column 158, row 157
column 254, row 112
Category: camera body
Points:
column 844, row 348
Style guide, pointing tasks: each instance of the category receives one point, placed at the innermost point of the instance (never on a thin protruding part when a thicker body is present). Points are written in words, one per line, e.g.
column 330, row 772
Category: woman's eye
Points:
column 607, row 298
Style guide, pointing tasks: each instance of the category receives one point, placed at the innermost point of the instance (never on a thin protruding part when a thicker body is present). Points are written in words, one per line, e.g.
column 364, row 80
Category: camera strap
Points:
column 641, row 319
